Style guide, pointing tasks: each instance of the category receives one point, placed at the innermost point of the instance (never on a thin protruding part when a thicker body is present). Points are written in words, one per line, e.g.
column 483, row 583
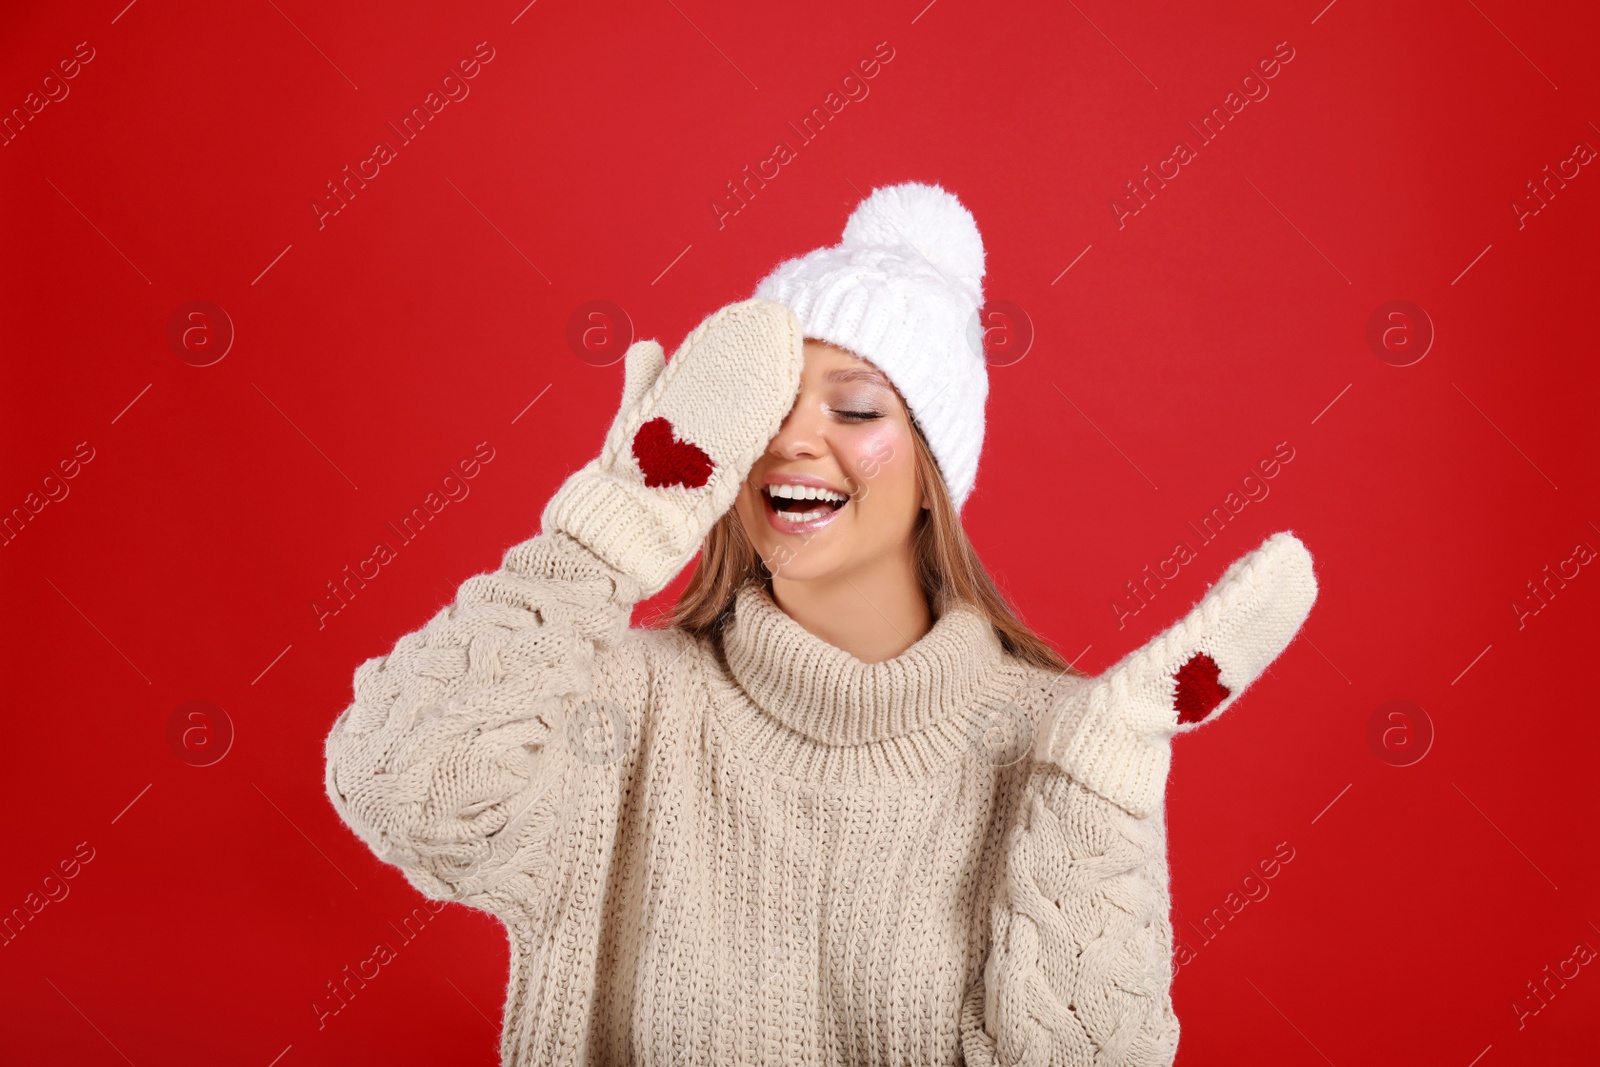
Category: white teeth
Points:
column 804, row 492
column 787, row 491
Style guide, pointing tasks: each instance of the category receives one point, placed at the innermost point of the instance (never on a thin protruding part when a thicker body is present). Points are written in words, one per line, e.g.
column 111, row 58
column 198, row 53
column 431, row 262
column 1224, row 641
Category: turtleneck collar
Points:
column 825, row 693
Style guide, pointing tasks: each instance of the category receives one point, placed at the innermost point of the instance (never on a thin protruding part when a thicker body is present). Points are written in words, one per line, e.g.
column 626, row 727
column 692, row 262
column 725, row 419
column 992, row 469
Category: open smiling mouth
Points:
column 801, row 505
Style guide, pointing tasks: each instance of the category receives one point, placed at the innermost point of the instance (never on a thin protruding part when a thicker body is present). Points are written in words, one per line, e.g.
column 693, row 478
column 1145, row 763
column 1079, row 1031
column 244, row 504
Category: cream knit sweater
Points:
column 761, row 850
column 752, row 847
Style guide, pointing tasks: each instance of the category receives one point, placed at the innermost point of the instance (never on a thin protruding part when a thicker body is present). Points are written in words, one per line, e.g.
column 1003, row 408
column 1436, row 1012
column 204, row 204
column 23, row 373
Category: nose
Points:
column 802, row 434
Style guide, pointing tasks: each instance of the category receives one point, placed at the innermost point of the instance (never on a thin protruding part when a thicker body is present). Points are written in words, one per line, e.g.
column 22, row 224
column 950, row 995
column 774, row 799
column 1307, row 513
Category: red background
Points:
column 374, row 353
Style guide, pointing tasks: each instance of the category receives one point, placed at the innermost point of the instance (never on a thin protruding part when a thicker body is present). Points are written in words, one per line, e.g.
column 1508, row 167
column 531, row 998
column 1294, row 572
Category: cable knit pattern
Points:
column 440, row 762
column 1080, row 969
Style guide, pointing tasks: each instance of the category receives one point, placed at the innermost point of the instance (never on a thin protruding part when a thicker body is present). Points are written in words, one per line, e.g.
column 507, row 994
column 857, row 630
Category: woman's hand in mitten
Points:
column 1113, row 732
column 686, row 436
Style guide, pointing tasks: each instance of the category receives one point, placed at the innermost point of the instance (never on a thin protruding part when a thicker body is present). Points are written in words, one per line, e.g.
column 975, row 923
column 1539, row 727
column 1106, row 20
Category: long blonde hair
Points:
column 947, row 566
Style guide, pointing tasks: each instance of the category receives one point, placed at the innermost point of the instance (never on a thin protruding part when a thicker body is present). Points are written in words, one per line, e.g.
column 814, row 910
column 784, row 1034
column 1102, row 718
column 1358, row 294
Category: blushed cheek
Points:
column 883, row 458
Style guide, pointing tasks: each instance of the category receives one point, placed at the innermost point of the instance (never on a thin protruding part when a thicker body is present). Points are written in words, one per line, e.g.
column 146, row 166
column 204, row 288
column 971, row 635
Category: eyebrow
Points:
column 874, row 376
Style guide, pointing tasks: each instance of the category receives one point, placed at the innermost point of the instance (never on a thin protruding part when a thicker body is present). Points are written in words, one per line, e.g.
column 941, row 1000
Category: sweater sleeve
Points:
column 465, row 743
column 1080, row 958
column 1080, row 952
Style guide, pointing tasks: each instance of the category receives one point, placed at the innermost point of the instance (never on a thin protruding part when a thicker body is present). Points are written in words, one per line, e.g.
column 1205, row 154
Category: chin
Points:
column 795, row 562
column 810, row 573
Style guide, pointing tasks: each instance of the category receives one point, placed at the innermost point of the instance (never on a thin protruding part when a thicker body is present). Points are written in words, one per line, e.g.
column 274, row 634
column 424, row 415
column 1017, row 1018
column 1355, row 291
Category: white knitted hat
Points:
column 901, row 289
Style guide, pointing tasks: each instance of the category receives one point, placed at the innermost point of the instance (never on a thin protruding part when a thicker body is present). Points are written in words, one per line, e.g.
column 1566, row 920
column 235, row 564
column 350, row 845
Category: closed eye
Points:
column 862, row 416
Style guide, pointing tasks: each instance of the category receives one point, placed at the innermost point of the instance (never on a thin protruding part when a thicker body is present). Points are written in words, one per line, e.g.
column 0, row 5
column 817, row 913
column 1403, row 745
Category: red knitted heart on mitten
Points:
column 666, row 460
column 1199, row 689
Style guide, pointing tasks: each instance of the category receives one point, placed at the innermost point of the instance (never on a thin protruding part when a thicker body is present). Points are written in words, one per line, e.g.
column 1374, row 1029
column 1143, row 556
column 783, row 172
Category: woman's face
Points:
column 849, row 432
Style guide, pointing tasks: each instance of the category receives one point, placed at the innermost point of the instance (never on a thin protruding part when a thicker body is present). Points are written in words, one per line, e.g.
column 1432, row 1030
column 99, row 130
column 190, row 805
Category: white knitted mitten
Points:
column 683, row 441
column 1113, row 732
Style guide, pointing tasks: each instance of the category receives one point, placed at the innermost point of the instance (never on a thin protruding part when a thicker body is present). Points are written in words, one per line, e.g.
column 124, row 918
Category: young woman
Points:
column 846, row 807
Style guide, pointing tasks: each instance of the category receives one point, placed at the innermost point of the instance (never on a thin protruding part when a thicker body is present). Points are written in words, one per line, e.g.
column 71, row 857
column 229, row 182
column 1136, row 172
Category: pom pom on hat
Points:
column 928, row 219
column 902, row 289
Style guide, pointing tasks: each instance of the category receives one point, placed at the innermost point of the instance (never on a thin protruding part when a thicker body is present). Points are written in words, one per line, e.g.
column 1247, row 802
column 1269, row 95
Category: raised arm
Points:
column 1114, row 734
column 1080, row 961
column 523, row 698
